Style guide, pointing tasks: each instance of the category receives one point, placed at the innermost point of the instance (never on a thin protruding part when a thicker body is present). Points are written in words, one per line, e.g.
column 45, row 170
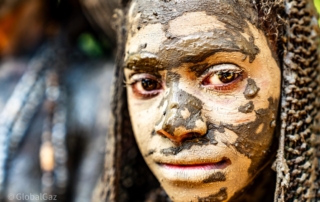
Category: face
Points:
column 203, row 89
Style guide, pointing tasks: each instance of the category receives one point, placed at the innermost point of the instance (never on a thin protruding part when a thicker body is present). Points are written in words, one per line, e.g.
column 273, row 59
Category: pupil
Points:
column 149, row 84
column 226, row 77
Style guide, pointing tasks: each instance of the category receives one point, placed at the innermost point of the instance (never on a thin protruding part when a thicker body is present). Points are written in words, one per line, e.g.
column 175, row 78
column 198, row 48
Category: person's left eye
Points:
column 222, row 77
column 219, row 78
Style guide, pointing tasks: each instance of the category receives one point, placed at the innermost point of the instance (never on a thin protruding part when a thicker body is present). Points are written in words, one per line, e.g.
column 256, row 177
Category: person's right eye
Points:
column 145, row 86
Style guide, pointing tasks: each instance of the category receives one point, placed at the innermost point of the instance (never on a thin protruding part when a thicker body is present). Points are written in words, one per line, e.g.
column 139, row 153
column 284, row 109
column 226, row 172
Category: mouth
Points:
column 194, row 172
column 225, row 162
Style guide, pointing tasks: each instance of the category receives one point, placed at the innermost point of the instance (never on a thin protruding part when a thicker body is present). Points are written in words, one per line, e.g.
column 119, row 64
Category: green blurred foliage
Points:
column 89, row 45
column 317, row 3
column 94, row 46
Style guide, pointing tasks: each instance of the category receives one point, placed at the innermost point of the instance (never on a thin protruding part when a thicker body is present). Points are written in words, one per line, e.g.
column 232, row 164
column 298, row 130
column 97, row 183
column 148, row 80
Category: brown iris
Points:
column 149, row 84
column 227, row 77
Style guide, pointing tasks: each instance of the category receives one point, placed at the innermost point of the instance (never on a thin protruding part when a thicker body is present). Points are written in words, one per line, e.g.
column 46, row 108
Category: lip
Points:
column 223, row 163
column 192, row 171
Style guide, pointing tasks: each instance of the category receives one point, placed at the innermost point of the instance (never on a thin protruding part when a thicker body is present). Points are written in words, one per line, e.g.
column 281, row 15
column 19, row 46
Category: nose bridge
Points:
column 182, row 116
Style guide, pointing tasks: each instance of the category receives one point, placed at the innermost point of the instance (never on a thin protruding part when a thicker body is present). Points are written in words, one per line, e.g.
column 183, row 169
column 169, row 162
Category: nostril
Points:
column 187, row 137
column 193, row 137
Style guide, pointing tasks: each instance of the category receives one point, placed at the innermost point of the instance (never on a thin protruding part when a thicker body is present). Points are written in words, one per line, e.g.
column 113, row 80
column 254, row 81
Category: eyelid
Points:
column 223, row 67
column 137, row 76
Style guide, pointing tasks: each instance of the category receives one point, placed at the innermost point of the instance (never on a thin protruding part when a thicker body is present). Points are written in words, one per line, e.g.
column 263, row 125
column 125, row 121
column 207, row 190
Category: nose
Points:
column 182, row 118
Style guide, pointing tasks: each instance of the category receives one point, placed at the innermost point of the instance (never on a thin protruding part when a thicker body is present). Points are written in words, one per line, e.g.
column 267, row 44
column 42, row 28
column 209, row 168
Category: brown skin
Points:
column 185, row 89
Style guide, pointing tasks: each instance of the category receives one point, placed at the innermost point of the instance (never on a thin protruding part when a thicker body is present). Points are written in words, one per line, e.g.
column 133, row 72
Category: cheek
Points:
column 250, row 131
column 144, row 116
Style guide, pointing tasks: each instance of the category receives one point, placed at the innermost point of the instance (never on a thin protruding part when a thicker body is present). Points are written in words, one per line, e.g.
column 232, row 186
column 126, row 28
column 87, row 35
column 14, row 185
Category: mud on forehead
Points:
column 234, row 36
column 232, row 13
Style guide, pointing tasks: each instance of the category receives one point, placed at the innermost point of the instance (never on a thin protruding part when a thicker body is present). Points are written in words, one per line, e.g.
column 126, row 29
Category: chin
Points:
column 184, row 192
column 201, row 183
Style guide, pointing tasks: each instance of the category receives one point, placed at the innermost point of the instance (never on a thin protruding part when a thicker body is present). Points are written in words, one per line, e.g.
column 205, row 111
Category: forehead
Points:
column 233, row 13
column 180, row 31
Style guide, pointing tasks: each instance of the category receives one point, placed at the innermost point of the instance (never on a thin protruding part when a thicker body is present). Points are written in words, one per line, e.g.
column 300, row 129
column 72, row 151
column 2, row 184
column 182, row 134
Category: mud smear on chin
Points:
column 215, row 177
column 220, row 196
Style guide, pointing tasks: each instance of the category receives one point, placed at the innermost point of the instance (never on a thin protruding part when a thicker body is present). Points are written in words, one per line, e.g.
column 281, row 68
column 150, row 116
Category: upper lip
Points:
column 191, row 162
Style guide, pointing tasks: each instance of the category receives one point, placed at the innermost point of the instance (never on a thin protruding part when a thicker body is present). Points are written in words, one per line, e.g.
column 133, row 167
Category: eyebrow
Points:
column 146, row 62
column 192, row 49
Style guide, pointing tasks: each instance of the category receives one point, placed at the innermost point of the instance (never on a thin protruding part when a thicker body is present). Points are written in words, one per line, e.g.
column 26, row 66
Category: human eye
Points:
column 145, row 86
column 223, row 77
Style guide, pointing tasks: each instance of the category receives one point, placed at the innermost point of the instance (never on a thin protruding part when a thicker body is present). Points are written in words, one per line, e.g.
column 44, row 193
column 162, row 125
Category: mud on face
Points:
column 193, row 117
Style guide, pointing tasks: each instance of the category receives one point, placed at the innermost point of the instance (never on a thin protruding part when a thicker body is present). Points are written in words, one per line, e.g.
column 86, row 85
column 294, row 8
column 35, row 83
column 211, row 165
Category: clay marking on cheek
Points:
column 247, row 108
column 227, row 137
column 215, row 177
column 185, row 113
column 251, row 89
column 260, row 128
column 220, row 196
column 150, row 152
column 255, row 135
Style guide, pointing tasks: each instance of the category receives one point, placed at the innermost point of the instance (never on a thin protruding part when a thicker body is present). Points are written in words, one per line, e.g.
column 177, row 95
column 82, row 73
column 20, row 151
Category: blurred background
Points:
column 55, row 76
